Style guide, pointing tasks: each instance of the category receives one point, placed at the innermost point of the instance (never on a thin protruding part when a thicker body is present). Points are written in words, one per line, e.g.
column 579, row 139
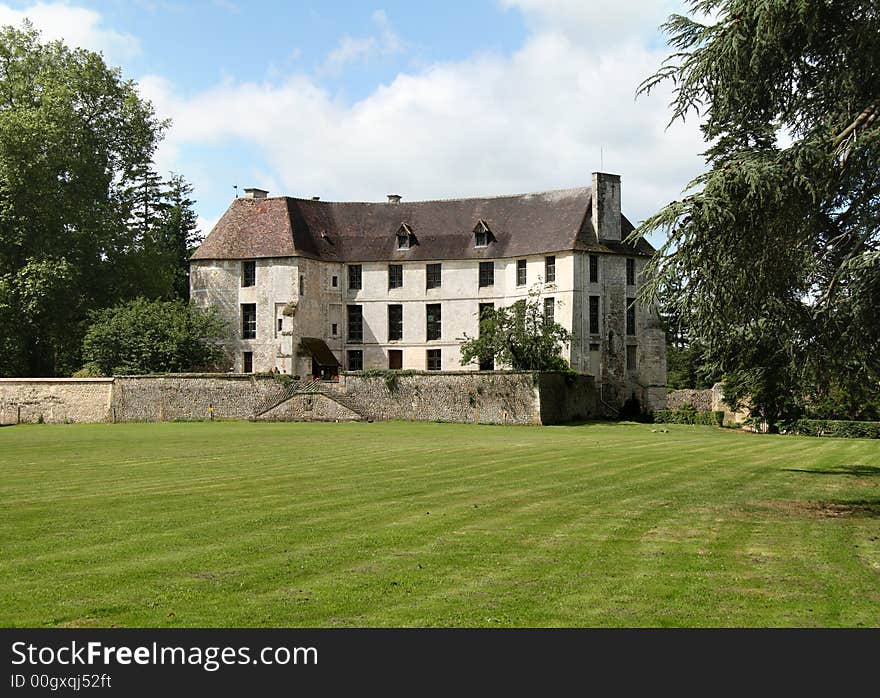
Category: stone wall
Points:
column 189, row 396
column 311, row 408
column 564, row 398
column 700, row 400
column 55, row 400
column 464, row 396
column 708, row 400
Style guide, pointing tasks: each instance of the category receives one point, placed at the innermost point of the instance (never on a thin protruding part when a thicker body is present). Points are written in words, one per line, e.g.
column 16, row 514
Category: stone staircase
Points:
column 308, row 386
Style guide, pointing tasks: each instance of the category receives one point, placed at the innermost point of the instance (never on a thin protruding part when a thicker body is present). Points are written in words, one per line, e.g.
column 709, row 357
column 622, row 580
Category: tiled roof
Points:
column 524, row 224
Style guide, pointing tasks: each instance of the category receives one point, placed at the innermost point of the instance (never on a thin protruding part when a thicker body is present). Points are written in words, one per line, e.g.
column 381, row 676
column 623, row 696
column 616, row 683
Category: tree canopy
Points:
column 522, row 335
column 76, row 150
column 776, row 246
column 143, row 336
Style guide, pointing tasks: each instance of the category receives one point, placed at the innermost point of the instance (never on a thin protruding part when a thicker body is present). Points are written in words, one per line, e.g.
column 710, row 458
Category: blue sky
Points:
column 353, row 100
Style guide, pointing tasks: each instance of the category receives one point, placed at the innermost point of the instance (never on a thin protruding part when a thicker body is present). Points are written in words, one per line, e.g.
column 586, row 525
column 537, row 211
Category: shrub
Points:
column 836, row 427
column 688, row 415
column 144, row 336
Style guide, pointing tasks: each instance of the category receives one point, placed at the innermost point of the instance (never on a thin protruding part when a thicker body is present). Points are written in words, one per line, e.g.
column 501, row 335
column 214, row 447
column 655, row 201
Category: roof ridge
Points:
column 584, row 188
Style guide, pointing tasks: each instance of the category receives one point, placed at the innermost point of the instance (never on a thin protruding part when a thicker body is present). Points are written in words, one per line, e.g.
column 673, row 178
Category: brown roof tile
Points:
column 525, row 224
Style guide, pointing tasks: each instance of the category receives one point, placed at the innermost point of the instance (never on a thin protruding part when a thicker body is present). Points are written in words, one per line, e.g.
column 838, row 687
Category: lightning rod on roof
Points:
column 235, row 186
column 602, row 158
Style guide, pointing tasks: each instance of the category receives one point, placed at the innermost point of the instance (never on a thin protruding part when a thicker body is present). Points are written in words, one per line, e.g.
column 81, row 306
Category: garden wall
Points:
column 55, row 400
column 467, row 396
column 189, row 396
column 708, row 400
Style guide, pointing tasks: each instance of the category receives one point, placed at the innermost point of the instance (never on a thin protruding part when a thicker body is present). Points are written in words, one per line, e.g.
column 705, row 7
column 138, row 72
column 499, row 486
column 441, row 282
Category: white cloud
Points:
column 594, row 24
column 490, row 124
column 351, row 49
column 76, row 26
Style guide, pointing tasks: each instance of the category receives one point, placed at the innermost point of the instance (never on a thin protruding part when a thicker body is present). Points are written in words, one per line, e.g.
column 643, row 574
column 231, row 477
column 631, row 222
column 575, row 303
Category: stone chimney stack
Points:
column 254, row 193
column 606, row 205
column 394, row 198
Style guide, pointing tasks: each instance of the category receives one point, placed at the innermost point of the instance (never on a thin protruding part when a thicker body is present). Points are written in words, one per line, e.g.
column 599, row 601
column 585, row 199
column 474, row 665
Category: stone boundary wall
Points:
column 700, row 400
column 708, row 400
column 565, row 398
column 189, row 396
column 467, row 396
column 55, row 400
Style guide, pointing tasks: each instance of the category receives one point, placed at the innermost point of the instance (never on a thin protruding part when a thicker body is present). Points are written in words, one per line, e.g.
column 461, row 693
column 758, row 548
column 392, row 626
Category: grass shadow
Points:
column 597, row 423
column 853, row 470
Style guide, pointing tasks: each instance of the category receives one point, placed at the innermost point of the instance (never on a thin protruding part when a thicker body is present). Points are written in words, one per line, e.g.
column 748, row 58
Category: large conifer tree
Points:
column 777, row 244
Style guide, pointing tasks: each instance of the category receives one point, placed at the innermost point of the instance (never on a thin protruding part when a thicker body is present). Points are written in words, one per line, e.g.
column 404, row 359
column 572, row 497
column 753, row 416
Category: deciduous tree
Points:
column 520, row 335
column 144, row 336
column 73, row 135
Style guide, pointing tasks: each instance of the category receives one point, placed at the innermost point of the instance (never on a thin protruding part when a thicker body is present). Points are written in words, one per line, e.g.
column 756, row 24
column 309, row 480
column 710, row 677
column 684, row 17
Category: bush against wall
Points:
column 144, row 336
column 688, row 415
column 834, row 427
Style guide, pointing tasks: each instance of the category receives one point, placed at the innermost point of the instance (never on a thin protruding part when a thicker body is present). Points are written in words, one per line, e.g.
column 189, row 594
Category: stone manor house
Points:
column 310, row 287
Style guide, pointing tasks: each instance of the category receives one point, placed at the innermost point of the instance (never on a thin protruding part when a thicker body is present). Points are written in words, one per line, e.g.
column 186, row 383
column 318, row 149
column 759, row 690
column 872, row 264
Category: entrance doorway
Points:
column 395, row 359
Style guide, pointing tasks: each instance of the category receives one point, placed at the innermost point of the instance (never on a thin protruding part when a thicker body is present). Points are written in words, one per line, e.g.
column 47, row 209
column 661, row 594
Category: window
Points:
column 631, row 351
column 355, row 323
column 248, row 320
column 630, row 272
column 550, row 270
column 630, row 316
column 395, row 359
column 334, row 329
column 549, row 307
column 355, row 359
column 433, row 272
column 354, row 277
column 302, row 285
column 248, row 273
column 434, row 360
column 334, row 281
column 594, row 359
column 594, row 314
column 395, row 322
column 487, row 361
column 485, row 312
column 395, row 275
column 433, row 320
column 487, row 274
column 482, row 234
column 280, row 324
column 520, row 272
column 247, row 362
column 404, row 237
column 594, row 269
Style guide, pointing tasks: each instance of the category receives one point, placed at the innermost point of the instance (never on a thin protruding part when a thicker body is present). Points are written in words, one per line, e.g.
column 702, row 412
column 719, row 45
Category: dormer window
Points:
column 482, row 235
column 404, row 237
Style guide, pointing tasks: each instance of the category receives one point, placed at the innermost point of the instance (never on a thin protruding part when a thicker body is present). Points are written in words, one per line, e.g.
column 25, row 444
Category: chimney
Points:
column 394, row 198
column 606, row 205
column 253, row 193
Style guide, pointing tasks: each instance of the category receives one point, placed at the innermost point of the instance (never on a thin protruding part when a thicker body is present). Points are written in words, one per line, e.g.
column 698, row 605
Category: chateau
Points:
column 311, row 287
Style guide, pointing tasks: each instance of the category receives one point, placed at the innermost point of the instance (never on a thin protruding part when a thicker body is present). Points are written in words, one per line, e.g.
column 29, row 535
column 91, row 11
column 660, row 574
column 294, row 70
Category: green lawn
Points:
column 407, row 524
